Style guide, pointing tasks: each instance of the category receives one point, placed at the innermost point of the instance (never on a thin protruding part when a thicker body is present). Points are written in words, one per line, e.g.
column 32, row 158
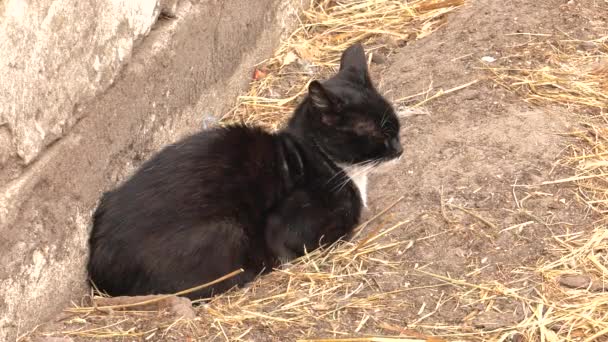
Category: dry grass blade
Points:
column 589, row 159
column 315, row 287
column 313, row 50
column 577, row 77
column 438, row 94
column 560, row 313
column 566, row 75
column 362, row 226
column 467, row 211
column 157, row 299
column 579, row 313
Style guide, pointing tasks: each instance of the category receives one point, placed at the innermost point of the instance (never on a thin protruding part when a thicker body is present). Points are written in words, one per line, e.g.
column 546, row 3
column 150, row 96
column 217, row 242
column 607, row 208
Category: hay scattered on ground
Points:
column 571, row 301
column 327, row 28
column 567, row 72
column 573, row 73
column 590, row 160
column 316, row 294
column 563, row 298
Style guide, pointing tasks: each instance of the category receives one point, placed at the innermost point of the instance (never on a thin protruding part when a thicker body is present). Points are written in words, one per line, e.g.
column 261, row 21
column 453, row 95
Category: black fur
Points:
column 239, row 197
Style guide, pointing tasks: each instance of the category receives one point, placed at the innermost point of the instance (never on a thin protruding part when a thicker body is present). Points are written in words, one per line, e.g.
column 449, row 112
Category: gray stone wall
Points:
column 88, row 90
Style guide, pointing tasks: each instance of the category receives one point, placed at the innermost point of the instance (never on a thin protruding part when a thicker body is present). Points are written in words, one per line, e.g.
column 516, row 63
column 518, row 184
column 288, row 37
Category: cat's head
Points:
column 347, row 117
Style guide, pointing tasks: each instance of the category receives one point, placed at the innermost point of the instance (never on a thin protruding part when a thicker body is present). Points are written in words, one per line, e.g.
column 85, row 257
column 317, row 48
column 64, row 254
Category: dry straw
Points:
column 571, row 72
column 316, row 294
column 589, row 158
column 332, row 292
column 321, row 292
column 327, row 28
column 572, row 300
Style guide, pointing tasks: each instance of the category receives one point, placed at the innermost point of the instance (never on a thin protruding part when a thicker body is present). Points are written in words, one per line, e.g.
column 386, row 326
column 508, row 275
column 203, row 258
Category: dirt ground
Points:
column 476, row 144
column 482, row 149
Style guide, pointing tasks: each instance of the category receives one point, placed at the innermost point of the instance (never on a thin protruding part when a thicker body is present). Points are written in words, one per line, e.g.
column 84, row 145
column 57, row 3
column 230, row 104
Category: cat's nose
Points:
column 396, row 146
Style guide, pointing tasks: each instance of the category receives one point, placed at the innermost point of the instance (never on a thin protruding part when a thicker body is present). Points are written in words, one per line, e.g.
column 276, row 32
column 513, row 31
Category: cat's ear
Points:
column 319, row 96
column 327, row 103
column 323, row 98
column 353, row 64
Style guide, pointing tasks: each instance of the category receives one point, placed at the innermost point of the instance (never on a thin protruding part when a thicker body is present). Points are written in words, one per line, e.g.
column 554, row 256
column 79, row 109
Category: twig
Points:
column 486, row 222
column 158, row 299
column 373, row 218
column 441, row 92
column 443, row 212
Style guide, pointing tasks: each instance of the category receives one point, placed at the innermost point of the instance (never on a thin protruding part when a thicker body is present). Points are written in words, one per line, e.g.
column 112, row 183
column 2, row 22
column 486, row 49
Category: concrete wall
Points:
column 88, row 90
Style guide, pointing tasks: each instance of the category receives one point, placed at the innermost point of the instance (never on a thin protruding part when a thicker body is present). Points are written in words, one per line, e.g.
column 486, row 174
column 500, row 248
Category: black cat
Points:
column 239, row 197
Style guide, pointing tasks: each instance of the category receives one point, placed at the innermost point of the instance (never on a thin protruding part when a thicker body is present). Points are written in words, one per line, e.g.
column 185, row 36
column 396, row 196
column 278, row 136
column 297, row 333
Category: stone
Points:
column 179, row 306
column 490, row 320
column 53, row 58
column 582, row 282
column 378, row 58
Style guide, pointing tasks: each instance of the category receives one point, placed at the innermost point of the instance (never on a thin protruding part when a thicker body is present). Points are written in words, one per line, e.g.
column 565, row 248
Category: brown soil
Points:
column 481, row 148
column 476, row 144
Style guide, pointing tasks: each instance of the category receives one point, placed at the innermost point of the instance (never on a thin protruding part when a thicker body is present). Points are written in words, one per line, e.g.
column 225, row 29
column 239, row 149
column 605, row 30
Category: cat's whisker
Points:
column 366, row 167
column 346, row 168
column 384, row 119
column 363, row 171
column 339, row 173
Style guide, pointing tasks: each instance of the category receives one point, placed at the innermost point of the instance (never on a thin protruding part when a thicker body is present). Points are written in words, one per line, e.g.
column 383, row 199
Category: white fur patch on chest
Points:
column 358, row 175
column 361, row 184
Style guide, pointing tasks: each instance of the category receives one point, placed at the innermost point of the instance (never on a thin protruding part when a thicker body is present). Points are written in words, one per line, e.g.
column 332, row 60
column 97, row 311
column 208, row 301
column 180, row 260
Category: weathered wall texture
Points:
column 88, row 90
column 56, row 53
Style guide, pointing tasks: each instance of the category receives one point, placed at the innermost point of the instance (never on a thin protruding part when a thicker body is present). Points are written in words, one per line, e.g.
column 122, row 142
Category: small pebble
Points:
column 491, row 320
column 179, row 306
column 378, row 58
column 517, row 337
column 581, row 281
column 586, row 46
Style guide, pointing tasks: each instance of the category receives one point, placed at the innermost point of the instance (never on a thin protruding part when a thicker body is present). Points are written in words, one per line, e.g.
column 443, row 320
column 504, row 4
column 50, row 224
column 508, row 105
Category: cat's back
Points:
column 202, row 176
